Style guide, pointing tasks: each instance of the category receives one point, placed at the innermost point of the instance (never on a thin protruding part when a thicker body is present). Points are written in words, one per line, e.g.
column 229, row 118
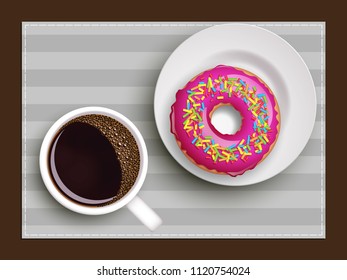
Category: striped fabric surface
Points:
column 116, row 65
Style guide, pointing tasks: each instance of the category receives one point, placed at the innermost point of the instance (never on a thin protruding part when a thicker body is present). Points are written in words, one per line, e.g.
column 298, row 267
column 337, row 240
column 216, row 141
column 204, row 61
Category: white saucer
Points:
column 261, row 52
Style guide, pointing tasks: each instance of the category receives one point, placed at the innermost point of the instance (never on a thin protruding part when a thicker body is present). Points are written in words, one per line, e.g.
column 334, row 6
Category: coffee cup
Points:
column 58, row 160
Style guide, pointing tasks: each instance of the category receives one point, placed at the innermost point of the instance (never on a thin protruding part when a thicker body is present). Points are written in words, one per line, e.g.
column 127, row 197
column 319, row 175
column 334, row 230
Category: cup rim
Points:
column 74, row 206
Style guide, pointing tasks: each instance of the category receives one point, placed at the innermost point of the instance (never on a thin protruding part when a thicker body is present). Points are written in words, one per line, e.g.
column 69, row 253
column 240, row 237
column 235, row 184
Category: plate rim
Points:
column 253, row 26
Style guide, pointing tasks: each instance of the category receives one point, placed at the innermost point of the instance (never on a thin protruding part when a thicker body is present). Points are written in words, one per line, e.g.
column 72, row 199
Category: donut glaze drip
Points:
column 231, row 154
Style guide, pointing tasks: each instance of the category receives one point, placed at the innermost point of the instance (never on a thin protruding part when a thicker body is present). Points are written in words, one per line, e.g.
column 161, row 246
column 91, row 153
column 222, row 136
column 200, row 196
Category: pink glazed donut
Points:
column 231, row 154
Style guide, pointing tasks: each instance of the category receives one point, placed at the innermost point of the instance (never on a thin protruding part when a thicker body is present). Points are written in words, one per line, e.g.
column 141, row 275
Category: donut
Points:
column 202, row 143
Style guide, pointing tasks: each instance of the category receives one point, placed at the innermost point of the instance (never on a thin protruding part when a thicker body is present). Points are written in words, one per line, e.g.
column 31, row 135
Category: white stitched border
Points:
column 322, row 129
column 25, row 130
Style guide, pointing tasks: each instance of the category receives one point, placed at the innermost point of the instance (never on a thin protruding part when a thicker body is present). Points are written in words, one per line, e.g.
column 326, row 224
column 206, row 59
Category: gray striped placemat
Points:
column 116, row 65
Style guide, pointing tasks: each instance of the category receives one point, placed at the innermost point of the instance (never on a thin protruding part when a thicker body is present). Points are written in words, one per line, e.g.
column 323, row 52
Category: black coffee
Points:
column 94, row 160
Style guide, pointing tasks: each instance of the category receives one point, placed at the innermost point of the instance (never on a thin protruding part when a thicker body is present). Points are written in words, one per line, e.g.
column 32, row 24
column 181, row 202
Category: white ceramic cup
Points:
column 144, row 213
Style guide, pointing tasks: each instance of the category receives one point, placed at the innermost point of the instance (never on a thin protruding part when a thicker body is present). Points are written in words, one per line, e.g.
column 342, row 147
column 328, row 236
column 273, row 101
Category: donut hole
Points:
column 226, row 119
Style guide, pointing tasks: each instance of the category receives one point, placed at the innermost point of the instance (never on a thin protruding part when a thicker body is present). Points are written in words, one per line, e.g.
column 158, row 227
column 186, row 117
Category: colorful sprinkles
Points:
column 221, row 88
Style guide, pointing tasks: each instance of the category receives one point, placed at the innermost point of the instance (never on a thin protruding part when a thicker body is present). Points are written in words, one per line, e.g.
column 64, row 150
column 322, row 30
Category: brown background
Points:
column 13, row 247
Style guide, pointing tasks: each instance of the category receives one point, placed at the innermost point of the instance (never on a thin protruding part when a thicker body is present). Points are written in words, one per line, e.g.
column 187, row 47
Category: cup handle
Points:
column 144, row 213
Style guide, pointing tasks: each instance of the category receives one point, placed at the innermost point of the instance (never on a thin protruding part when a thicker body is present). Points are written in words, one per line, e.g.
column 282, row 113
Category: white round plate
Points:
column 261, row 52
